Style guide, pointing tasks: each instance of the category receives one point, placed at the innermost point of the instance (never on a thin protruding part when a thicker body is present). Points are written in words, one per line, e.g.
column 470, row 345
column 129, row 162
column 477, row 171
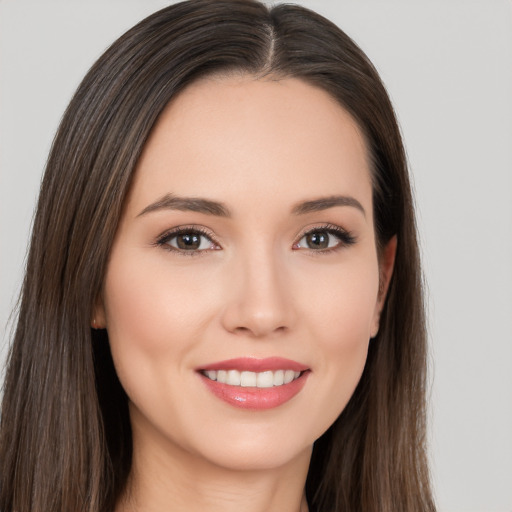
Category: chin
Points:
column 250, row 456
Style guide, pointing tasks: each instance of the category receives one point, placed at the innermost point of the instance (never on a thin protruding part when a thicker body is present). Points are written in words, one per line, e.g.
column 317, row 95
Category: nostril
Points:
column 252, row 312
column 259, row 330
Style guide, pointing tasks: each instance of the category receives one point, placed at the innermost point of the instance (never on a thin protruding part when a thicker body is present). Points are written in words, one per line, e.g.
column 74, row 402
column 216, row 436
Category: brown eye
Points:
column 318, row 240
column 322, row 239
column 189, row 241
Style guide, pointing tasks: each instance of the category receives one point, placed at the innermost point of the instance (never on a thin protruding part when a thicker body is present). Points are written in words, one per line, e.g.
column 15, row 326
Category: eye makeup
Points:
column 188, row 241
column 196, row 240
column 321, row 239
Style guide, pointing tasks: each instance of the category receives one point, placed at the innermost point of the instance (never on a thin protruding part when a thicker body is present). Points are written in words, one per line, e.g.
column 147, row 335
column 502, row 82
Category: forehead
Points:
column 231, row 137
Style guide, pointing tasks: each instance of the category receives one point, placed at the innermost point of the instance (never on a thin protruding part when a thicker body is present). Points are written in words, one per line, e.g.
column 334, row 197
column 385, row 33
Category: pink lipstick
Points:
column 251, row 383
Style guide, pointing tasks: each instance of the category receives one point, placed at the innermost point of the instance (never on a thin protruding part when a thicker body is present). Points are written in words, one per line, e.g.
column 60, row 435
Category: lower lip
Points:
column 256, row 398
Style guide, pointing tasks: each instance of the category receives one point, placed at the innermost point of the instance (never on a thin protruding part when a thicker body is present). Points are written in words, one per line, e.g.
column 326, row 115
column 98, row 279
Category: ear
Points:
column 386, row 266
column 99, row 319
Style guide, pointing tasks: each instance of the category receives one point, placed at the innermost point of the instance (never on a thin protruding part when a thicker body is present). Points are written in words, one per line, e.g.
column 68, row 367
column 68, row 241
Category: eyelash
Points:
column 345, row 238
column 165, row 238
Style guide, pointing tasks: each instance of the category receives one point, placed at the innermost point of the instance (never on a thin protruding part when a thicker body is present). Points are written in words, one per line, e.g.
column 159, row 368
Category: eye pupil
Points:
column 317, row 240
column 188, row 241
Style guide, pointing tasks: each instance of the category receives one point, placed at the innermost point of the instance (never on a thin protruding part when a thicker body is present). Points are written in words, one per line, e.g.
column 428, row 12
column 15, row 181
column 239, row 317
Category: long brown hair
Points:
column 65, row 439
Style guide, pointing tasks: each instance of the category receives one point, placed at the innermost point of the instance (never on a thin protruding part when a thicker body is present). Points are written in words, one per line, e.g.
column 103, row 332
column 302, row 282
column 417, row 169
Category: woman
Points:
column 222, row 306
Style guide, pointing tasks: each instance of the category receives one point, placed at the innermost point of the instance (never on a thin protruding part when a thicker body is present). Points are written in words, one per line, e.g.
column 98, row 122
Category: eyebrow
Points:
column 191, row 204
column 209, row 207
column 324, row 203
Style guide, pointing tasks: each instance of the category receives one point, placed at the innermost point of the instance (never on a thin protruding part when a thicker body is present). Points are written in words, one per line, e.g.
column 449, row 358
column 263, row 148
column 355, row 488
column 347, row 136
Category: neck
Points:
column 173, row 479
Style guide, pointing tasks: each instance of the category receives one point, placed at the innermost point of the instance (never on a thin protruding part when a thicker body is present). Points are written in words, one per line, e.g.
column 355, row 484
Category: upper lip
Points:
column 252, row 364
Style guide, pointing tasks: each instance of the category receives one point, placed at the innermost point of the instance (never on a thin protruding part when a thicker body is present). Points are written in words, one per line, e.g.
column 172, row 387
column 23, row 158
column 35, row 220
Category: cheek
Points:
column 340, row 321
column 344, row 344
column 153, row 317
column 344, row 307
column 144, row 300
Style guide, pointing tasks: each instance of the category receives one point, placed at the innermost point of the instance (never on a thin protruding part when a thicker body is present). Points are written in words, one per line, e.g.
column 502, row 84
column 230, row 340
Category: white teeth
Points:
column 279, row 378
column 248, row 379
column 266, row 379
column 288, row 376
column 233, row 378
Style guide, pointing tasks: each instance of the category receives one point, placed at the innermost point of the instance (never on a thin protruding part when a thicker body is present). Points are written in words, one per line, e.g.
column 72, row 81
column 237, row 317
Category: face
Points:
column 243, row 284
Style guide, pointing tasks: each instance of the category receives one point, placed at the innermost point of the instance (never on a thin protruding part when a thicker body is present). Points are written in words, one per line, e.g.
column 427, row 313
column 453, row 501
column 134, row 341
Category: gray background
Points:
column 448, row 67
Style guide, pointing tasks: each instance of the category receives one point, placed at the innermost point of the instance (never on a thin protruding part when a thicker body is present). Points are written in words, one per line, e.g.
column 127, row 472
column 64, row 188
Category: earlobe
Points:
column 386, row 267
column 98, row 320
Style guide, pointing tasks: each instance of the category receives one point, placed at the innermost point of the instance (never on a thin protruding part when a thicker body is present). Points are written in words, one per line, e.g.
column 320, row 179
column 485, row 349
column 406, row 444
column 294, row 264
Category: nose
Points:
column 260, row 300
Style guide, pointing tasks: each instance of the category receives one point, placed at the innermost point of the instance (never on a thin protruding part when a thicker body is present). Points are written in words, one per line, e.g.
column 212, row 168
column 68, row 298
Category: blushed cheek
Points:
column 346, row 316
column 342, row 348
column 150, row 311
column 128, row 305
column 136, row 320
column 350, row 305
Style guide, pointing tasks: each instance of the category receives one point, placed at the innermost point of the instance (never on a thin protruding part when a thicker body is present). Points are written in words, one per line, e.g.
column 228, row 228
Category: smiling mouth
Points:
column 253, row 383
column 245, row 379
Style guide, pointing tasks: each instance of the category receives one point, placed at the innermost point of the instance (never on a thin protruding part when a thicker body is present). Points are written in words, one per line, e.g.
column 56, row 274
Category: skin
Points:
column 256, row 288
